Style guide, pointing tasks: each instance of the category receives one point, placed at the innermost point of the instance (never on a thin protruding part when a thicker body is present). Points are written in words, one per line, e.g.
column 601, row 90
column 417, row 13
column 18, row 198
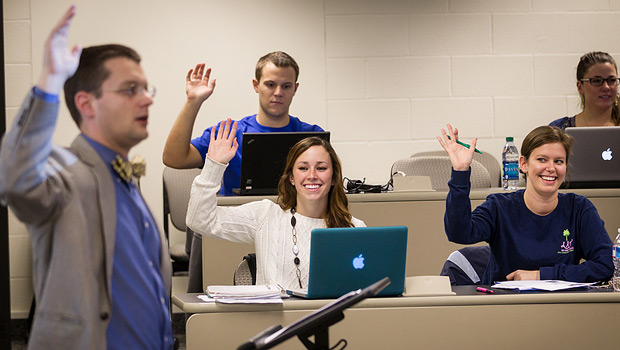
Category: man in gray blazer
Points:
column 101, row 266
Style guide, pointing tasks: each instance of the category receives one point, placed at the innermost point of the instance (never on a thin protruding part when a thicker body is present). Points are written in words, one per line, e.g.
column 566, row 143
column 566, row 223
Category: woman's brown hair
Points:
column 338, row 214
column 588, row 60
column 543, row 135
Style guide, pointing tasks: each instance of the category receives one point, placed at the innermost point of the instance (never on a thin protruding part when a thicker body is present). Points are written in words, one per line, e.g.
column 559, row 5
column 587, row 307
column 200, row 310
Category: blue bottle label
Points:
column 511, row 171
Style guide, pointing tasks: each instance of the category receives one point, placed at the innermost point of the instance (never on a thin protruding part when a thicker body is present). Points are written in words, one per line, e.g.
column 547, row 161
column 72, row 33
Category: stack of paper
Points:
column 548, row 285
column 256, row 294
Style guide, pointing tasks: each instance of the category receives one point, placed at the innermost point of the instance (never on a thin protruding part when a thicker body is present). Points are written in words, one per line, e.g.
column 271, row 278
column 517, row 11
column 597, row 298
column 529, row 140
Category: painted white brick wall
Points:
column 366, row 36
column 518, row 115
column 369, row 120
column 472, row 116
column 451, row 34
column 511, row 66
column 555, row 75
column 411, row 77
column 17, row 69
column 492, row 75
column 492, row 6
column 569, row 5
column 530, row 33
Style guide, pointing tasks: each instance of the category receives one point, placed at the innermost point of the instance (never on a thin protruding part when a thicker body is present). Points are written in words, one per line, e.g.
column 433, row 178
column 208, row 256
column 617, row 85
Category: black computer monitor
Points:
column 263, row 157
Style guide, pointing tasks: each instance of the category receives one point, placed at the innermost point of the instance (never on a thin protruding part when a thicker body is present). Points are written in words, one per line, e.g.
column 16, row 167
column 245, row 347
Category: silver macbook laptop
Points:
column 346, row 259
column 595, row 162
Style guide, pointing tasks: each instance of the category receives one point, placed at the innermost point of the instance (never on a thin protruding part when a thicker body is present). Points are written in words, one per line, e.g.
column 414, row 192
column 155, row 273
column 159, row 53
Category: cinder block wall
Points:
column 382, row 76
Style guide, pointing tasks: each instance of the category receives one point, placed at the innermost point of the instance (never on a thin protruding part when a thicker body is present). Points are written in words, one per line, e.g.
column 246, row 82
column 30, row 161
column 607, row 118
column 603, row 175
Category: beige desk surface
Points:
column 568, row 320
column 421, row 212
column 421, row 195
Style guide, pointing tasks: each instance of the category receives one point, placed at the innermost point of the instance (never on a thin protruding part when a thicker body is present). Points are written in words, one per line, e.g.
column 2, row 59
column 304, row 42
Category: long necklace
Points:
column 295, row 247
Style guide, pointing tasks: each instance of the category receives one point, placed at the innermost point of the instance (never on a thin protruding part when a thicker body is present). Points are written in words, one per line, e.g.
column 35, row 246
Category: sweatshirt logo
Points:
column 567, row 245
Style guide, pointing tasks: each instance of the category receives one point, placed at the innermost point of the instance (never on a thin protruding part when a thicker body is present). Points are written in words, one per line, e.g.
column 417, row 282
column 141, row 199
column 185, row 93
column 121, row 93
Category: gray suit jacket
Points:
column 66, row 198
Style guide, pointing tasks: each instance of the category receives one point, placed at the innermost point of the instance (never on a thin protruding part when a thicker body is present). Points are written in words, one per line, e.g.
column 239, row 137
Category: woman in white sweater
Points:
column 310, row 195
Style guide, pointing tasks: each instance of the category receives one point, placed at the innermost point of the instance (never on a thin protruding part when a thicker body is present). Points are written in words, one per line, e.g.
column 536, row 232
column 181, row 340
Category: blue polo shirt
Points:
column 232, row 174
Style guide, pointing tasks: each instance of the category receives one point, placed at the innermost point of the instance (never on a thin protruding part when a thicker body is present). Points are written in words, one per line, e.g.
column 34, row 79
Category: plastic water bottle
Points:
column 615, row 280
column 510, row 162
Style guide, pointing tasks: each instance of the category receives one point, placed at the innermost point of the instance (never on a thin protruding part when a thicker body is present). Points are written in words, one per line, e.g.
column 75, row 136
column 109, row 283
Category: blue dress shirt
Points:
column 140, row 317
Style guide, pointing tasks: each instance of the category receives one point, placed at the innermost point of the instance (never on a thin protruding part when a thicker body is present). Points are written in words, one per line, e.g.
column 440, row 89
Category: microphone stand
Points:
column 320, row 333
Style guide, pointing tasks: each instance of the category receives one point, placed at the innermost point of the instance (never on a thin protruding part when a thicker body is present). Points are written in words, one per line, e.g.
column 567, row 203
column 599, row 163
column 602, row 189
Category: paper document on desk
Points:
column 255, row 294
column 546, row 285
column 205, row 298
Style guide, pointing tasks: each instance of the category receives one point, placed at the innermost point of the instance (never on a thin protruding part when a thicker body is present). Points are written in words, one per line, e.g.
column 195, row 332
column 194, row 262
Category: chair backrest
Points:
column 177, row 187
column 492, row 165
column 439, row 168
column 466, row 266
column 245, row 274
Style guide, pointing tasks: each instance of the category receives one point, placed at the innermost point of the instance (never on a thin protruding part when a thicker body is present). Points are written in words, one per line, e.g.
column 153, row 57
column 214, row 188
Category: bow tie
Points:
column 126, row 169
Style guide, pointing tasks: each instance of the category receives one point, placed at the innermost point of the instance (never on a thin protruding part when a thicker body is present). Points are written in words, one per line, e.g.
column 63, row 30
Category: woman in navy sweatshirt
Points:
column 536, row 233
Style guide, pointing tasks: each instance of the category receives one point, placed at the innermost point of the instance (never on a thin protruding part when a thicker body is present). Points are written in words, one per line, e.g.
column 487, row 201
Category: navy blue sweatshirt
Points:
column 521, row 240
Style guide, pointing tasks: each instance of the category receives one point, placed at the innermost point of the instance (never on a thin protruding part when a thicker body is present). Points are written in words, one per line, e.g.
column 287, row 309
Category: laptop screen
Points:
column 345, row 259
column 263, row 157
column 595, row 160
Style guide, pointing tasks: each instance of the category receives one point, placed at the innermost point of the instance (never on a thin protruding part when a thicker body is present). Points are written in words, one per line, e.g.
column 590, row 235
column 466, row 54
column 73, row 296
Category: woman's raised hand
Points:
column 460, row 156
column 223, row 147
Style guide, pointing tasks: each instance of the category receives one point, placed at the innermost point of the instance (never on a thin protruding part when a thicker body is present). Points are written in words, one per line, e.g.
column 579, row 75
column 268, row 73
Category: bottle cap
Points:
column 509, row 139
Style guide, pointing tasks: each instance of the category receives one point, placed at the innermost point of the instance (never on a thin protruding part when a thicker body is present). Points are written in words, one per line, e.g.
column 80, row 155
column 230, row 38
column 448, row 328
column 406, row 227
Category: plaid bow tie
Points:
column 126, row 169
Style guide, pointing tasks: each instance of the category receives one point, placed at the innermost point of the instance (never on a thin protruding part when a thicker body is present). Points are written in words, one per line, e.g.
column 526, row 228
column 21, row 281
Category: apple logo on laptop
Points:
column 358, row 262
column 607, row 154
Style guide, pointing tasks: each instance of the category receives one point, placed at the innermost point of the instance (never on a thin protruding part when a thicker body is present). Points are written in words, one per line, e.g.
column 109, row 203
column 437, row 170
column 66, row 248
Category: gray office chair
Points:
column 245, row 274
column 492, row 165
column 177, row 186
column 466, row 266
column 439, row 168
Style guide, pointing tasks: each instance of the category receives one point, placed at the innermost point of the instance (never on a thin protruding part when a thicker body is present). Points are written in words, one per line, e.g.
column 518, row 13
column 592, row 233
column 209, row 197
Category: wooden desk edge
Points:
column 188, row 302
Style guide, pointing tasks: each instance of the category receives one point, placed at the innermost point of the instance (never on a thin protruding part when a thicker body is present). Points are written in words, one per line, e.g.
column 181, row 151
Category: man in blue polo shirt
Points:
column 276, row 84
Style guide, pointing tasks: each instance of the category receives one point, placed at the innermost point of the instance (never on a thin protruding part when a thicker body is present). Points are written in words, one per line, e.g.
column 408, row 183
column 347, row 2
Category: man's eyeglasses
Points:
column 134, row 90
column 596, row 81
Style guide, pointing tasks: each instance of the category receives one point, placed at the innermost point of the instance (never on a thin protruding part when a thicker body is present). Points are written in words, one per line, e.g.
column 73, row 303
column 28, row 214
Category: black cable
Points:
column 360, row 186
column 343, row 345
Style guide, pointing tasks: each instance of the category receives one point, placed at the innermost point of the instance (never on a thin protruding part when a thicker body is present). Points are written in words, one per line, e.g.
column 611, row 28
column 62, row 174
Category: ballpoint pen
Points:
column 484, row 290
column 464, row 144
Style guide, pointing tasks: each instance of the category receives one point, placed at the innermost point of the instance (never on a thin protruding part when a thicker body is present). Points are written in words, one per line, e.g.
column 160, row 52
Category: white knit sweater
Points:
column 262, row 223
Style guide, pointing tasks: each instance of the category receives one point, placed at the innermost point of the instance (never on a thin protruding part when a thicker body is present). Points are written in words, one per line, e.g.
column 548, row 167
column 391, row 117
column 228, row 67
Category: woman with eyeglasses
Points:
column 310, row 195
column 597, row 83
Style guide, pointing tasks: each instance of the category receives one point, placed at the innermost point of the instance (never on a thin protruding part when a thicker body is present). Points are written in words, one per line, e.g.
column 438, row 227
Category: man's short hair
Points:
column 91, row 73
column 280, row 59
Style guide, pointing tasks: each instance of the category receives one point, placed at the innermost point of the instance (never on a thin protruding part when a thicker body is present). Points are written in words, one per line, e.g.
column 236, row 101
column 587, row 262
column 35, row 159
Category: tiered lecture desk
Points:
column 422, row 212
column 467, row 320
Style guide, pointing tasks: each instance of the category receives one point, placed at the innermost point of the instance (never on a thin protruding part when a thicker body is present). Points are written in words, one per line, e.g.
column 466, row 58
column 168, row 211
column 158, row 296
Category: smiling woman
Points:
column 310, row 195
column 544, row 157
column 312, row 182
column 597, row 84
column 536, row 233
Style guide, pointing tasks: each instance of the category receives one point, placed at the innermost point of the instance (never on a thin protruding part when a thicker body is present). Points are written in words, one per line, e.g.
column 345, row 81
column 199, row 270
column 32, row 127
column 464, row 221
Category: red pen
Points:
column 484, row 290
